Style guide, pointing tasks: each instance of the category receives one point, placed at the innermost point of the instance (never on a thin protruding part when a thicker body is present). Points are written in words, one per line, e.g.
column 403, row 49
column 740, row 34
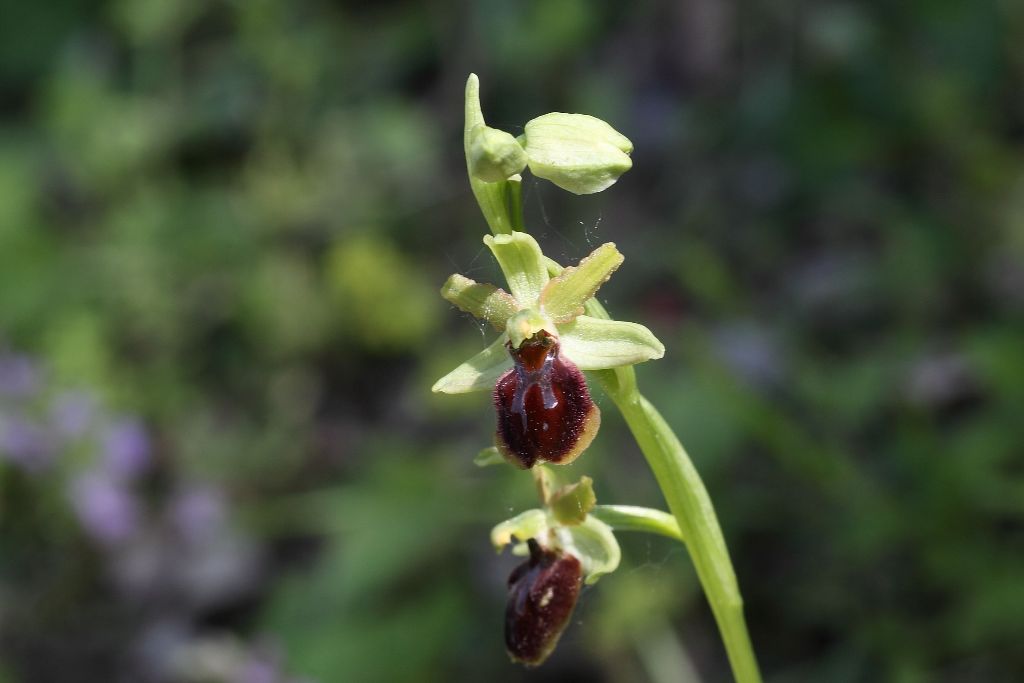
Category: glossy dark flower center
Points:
column 545, row 413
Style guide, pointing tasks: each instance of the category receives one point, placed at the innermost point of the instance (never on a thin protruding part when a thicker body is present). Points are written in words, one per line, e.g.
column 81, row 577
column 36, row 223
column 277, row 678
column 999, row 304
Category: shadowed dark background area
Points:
column 223, row 226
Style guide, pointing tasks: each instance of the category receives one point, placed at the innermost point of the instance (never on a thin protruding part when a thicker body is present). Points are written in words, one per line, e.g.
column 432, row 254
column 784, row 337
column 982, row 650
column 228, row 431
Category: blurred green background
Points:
column 223, row 225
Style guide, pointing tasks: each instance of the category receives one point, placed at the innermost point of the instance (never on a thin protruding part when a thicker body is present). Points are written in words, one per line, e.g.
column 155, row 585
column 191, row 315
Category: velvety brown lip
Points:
column 545, row 413
column 542, row 594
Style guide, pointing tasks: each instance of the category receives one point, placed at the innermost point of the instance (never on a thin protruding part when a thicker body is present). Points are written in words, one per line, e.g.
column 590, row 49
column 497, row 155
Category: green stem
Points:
column 635, row 518
column 689, row 502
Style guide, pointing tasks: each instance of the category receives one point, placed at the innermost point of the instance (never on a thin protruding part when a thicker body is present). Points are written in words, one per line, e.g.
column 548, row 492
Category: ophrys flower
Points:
column 545, row 413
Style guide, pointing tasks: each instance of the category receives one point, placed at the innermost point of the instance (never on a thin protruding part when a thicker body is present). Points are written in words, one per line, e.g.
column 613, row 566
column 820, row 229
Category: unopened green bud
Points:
column 494, row 155
column 579, row 153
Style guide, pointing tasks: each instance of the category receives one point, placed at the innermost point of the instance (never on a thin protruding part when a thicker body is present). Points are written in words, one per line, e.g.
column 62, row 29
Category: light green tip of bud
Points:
column 494, row 155
column 527, row 323
column 576, row 152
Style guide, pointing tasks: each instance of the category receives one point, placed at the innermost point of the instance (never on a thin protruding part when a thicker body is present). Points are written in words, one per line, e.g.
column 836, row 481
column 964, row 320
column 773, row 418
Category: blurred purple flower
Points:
column 751, row 352
column 126, row 449
column 25, row 443
column 197, row 512
column 105, row 508
column 259, row 667
column 19, row 377
column 72, row 412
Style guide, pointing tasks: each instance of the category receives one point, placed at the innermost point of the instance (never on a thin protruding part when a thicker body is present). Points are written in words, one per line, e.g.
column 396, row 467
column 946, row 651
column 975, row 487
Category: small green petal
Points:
column 522, row 262
column 578, row 153
column 479, row 373
column 484, row 301
column 529, row 524
column 564, row 296
column 594, row 544
column 596, row 344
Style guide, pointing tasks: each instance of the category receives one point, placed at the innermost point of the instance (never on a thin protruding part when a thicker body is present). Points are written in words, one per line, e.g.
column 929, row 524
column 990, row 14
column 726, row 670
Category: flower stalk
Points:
column 583, row 155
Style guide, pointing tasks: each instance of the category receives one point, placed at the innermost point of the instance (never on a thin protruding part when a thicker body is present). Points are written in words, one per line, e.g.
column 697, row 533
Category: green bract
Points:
column 538, row 302
column 579, row 153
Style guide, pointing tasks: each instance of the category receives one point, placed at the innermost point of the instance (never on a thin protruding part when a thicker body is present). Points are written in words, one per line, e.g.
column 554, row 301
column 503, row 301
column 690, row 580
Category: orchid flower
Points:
column 545, row 413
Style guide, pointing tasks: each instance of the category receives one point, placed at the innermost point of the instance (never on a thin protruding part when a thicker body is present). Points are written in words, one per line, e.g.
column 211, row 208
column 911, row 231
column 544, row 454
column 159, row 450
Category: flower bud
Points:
column 494, row 154
column 579, row 153
column 542, row 594
column 545, row 413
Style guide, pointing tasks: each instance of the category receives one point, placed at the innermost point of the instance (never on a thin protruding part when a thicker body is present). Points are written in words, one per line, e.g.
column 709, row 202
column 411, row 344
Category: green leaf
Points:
column 479, row 373
column 596, row 344
column 565, row 295
column 571, row 503
column 576, row 152
column 484, row 301
column 522, row 262
column 529, row 524
column 594, row 544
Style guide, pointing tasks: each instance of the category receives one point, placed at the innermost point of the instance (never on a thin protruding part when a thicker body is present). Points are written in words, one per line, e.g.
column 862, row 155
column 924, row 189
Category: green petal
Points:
column 595, row 344
column 484, row 301
column 594, row 544
column 564, row 296
column 529, row 524
column 478, row 373
column 521, row 260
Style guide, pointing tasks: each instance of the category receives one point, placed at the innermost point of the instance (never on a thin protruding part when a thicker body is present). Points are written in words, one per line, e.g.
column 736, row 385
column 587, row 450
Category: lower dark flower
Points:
column 542, row 594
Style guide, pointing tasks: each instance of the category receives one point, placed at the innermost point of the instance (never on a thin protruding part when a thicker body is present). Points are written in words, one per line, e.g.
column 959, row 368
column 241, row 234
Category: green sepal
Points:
column 529, row 524
column 566, row 294
column 479, row 373
column 481, row 300
column 522, row 262
column 489, row 456
column 594, row 543
column 578, row 153
column 573, row 502
column 597, row 344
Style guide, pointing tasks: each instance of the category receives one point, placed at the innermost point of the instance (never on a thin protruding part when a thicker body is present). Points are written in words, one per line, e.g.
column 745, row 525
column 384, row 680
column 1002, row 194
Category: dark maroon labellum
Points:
column 542, row 593
column 544, row 409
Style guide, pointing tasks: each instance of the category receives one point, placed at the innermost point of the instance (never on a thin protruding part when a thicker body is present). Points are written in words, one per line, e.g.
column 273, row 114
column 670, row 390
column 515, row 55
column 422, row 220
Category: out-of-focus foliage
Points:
column 222, row 229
